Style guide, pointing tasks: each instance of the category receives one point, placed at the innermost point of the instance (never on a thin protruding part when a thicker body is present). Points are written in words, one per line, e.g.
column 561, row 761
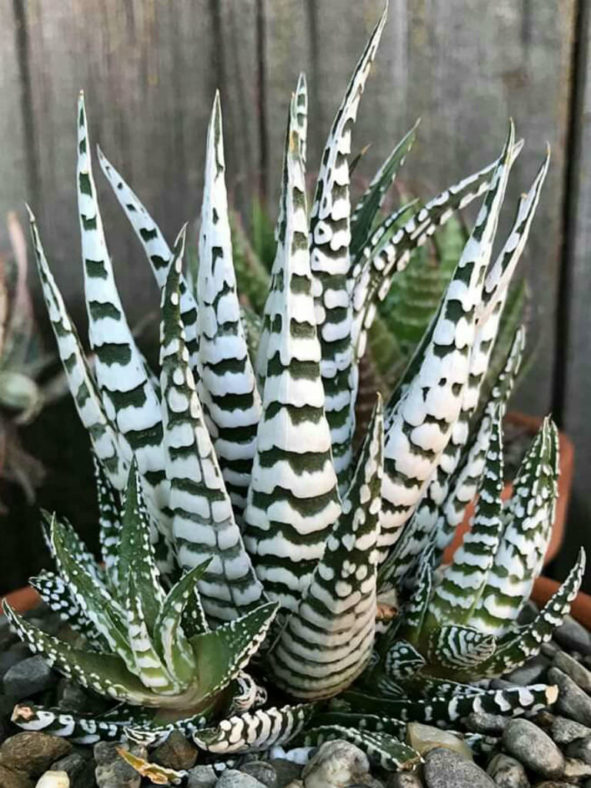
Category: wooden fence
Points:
column 149, row 69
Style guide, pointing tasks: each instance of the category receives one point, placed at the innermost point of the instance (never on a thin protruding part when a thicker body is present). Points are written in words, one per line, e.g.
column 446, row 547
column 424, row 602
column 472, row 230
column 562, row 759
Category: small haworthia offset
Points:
column 293, row 499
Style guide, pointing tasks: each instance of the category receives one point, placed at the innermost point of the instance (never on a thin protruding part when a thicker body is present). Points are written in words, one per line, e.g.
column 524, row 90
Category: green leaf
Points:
column 382, row 749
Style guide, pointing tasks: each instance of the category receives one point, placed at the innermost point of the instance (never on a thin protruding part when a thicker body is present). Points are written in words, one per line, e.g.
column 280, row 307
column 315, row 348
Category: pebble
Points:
column 528, row 613
column 507, row 772
column 32, row 752
column 53, row 779
column 111, row 770
column 572, row 701
column 573, row 636
column 262, row 771
column 529, row 673
column 335, row 764
column 483, row 722
column 564, row 731
column 232, row 778
column 575, row 769
column 534, row 748
column 404, row 780
column 176, row 752
column 202, row 777
column 13, row 656
column 423, row 738
column 581, row 749
column 286, row 770
column 577, row 672
column 445, row 768
column 78, row 766
column 28, row 677
column 13, row 779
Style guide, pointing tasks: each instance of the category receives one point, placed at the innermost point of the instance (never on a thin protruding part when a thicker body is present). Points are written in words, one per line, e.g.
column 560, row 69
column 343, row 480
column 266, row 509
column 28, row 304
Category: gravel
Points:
column 445, row 768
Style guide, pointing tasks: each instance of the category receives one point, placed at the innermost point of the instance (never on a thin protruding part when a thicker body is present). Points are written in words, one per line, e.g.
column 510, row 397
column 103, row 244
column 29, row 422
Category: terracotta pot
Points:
column 23, row 599
column 543, row 589
column 567, row 462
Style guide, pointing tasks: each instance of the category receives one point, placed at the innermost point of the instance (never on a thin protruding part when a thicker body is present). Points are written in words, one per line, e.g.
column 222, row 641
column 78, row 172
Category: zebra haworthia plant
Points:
column 241, row 494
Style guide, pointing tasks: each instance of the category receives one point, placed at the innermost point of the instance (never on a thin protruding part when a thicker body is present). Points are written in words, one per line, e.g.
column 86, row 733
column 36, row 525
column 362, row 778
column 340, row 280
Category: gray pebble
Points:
column 404, row 780
column 564, row 731
column 13, row 656
column 285, row 770
column 232, row 778
column 573, row 636
column 575, row 770
column 111, row 770
column 554, row 784
column 28, row 677
column 572, row 701
column 534, row 748
column 581, row 749
column 262, row 771
column 529, row 673
column 32, row 752
column 202, row 777
column 336, row 763
column 507, row 772
column 444, row 768
column 577, row 672
column 483, row 722
column 79, row 767
column 528, row 613
column 176, row 752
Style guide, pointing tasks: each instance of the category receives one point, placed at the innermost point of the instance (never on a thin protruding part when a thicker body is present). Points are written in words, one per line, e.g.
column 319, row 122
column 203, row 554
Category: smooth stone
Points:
column 232, row 778
column 564, row 730
column 534, row 748
column 202, row 776
column 176, row 752
column 423, row 738
column 336, row 764
column 445, row 768
column 53, row 779
column 483, row 722
column 32, row 752
column 286, row 770
column 554, row 784
column 577, row 672
column 528, row 613
column 13, row 779
column 529, row 673
column 13, row 656
column 580, row 748
column 507, row 772
column 404, row 780
column 262, row 771
column 572, row 700
column 573, row 636
column 575, row 770
column 79, row 767
column 29, row 677
column 111, row 770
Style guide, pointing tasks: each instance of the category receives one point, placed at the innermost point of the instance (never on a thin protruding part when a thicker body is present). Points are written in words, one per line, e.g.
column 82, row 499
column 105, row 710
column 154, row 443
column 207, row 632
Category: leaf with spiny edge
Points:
column 458, row 648
column 463, row 581
column 105, row 439
column 293, row 498
column 528, row 515
column 420, row 424
column 368, row 208
column 55, row 592
column 169, row 636
column 128, row 396
column 203, row 520
column 136, row 553
column 330, row 237
column 90, row 594
column 254, row 731
column 157, row 251
column 229, row 394
column 383, row 750
column 103, row 673
column 517, row 647
column 221, row 654
column 327, row 641
column 402, row 660
column 109, row 507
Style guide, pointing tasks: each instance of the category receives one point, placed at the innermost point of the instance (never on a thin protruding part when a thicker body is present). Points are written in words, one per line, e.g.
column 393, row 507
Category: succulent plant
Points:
column 236, row 470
